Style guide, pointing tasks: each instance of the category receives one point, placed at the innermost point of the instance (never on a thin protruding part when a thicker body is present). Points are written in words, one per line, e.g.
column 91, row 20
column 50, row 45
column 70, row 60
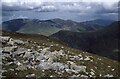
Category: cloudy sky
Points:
column 84, row 8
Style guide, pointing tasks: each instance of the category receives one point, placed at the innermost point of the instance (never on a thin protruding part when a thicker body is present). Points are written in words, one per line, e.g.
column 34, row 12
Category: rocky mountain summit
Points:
column 22, row 57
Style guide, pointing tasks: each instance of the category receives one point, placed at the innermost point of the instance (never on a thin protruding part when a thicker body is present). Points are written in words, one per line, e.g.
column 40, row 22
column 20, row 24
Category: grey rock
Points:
column 9, row 49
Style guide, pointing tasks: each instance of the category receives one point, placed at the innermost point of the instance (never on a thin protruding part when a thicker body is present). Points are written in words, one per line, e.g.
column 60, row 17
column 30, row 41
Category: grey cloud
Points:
column 70, row 6
column 85, row 10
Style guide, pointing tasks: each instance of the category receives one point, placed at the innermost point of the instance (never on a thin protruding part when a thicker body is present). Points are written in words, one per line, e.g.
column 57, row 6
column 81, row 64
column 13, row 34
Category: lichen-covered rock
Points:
column 4, row 39
column 10, row 42
column 20, row 51
column 9, row 49
column 30, row 75
column 87, row 58
column 21, row 68
column 108, row 75
column 18, row 42
column 28, row 54
column 78, row 68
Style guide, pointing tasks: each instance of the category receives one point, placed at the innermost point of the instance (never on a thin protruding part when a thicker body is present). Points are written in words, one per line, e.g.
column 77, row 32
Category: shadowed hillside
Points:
column 103, row 42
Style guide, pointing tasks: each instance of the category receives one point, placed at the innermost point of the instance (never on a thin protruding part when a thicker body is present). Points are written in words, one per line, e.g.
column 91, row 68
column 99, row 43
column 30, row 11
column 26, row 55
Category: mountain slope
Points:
column 31, row 26
column 103, row 42
column 37, row 56
column 48, row 27
column 95, row 25
column 100, row 22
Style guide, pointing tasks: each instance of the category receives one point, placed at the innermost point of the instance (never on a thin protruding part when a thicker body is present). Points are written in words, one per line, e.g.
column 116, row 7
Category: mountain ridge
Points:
column 42, row 26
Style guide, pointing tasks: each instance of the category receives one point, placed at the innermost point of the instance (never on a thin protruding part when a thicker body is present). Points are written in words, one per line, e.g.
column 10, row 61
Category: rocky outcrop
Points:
column 18, row 58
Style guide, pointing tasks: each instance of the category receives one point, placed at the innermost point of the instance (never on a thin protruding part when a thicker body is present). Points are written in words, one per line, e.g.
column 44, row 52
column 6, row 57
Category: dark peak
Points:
column 49, row 21
column 35, row 20
column 64, row 31
column 104, row 20
column 114, row 26
column 38, row 21
column 116, row 22
column 62, row 20
column 58, row 19
column 28, row 20
column 99, row 20
column 20, row 19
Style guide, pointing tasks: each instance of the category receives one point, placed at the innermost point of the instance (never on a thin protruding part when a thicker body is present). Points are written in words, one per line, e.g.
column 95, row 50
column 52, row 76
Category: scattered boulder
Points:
column 20, row 51
column 10, row 42
column 19, row 42
column 87, row 58
column 28, row 54
column 4, row 39
column 21, row 68
column 9, row 49
column 108, row 75
column 30, row 75
column 78, row 68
